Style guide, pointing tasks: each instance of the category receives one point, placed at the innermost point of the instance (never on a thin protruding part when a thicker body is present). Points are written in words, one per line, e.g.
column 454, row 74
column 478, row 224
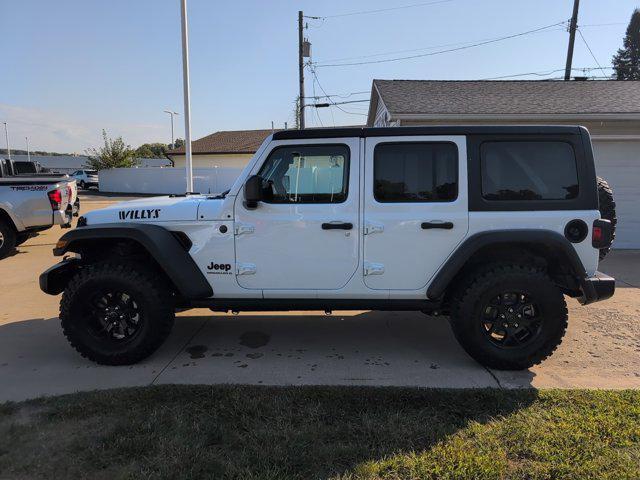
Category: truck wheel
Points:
column 607, row 206
column 7, row 238
column 116, row 314
column 509, row 317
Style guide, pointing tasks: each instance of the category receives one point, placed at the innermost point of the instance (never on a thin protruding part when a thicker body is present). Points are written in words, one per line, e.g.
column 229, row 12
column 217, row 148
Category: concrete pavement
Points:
column 601, row 349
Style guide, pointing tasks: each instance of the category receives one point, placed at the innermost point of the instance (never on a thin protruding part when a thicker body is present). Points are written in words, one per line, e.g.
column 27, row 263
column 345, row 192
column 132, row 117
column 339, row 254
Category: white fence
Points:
column 166, row 180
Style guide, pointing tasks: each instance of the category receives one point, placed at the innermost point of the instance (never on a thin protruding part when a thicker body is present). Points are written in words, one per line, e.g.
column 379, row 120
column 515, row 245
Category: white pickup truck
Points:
column 31, row 203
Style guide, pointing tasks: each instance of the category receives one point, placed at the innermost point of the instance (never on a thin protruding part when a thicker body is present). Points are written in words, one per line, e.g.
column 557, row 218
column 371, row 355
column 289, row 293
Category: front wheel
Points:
column 509, row 317
column 115, row 314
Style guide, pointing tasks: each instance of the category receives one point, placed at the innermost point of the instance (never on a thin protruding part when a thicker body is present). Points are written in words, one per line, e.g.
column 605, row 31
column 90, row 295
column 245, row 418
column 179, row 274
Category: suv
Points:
column 86, row 178
column 492, row 226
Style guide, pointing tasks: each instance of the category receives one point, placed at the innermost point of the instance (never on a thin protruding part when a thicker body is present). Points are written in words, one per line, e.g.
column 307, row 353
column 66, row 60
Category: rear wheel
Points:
column 607, row 206
column 7, row 238
column 81, row 185
column 115, row 314
column 509, row 317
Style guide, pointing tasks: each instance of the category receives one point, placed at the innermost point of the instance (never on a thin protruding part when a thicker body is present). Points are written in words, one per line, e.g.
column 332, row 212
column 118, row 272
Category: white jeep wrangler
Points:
column 491, row 226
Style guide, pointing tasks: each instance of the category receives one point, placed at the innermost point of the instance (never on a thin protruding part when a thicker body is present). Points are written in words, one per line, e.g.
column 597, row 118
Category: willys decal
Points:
column 139, row 214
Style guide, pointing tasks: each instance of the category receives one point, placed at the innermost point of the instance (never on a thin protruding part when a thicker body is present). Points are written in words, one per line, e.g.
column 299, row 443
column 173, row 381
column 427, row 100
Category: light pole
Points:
column 172, row 114
column 6, row 136
column 187, row 99
column 28, row 153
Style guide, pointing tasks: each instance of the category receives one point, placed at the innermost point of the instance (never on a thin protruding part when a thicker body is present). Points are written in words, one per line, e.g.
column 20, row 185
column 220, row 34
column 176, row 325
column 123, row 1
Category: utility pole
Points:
column 28, row 152
column 6, row 136
column 187, row 99
column 301, row 71
column 172, row 113
column 572, row 38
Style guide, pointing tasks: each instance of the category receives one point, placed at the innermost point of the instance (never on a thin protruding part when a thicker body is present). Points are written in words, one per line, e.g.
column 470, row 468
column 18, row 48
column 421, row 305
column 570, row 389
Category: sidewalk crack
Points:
column 180, row 350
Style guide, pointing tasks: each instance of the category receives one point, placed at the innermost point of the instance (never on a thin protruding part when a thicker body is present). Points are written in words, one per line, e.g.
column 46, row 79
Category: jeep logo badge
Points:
column 219, row 268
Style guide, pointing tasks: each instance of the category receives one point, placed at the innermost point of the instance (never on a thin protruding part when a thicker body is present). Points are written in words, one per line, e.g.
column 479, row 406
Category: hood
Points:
column 152, row 210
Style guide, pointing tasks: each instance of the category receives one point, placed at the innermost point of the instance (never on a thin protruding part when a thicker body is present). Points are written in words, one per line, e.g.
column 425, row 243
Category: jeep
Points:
column 492, row 226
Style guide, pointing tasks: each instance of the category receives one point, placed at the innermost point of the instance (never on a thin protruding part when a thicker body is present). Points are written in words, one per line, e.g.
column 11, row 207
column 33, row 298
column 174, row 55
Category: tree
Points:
column 113, row 154
column 178, row 143
column 626, row 62
column 151, row 150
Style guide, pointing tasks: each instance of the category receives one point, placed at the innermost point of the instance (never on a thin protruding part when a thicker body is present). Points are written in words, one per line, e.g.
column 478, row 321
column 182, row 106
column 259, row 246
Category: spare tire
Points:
column 607, row 207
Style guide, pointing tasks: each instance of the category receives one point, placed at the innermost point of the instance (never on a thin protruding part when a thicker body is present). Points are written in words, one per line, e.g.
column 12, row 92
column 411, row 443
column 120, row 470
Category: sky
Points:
column 70, row 68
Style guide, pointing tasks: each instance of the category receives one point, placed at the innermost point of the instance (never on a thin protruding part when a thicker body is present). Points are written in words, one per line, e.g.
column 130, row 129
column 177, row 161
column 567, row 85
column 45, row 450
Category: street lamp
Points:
column 172, row 114
column 6, row 136
column 28, row 152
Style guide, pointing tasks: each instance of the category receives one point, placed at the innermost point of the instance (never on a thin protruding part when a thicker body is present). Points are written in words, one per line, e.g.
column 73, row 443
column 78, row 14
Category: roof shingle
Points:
column 235, row 141
column 509, row 97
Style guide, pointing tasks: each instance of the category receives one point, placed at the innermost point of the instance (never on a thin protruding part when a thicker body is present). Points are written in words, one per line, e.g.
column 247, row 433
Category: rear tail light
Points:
column 597, row 235
column 601, row 234
column 55, row 198
column 69, row 192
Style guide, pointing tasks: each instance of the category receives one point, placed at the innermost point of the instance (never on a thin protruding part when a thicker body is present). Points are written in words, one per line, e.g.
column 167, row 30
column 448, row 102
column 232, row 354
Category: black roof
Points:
column 435, row 130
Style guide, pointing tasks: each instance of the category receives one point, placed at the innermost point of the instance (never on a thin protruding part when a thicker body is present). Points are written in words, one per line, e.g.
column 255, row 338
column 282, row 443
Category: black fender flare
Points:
column 547, row 238
column 166, row 248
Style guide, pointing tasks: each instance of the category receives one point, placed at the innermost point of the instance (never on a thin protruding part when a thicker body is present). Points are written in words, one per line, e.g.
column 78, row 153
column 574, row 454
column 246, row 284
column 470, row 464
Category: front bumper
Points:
column 597, row 288
column 55, row 278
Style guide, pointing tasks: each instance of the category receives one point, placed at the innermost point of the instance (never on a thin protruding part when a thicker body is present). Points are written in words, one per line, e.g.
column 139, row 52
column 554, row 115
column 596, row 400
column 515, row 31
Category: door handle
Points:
column 430, row 225
column 337, row 226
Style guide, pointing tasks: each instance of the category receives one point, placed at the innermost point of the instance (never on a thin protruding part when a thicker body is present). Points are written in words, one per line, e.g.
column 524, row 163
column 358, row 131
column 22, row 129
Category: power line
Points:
column 431, row 47
column 499, row 39
column 590, row 51
column 315, row 75
column 365, row 12
column 543, row 73
column 346, row 95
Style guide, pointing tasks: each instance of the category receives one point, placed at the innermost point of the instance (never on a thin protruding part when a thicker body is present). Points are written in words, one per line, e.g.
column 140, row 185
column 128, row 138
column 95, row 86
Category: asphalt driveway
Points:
column 601, row 349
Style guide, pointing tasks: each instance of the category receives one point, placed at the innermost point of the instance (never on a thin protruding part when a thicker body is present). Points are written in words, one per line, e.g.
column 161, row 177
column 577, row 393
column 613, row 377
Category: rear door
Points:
column 415, row 208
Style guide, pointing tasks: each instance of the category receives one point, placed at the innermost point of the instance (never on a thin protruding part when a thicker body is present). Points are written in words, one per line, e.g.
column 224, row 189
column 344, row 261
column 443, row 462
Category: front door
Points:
column 415, row 208
column 304, row 235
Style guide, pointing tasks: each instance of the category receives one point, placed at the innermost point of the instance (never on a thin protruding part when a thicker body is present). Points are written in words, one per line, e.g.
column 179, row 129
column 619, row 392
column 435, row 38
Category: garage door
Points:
column 618, row 162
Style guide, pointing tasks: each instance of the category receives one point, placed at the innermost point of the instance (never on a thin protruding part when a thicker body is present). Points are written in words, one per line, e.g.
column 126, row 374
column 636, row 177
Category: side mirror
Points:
column 253, row 191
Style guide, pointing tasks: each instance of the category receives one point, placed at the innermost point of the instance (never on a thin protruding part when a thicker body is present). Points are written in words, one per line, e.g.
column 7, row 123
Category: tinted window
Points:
column 528, row 171
column 307, row 174
column 415, row 172
column 92, row 172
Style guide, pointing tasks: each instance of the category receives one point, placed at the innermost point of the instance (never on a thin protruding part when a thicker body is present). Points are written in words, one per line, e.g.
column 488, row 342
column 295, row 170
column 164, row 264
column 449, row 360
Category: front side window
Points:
column 415, row 172
column 528, row 171
column 306, row 174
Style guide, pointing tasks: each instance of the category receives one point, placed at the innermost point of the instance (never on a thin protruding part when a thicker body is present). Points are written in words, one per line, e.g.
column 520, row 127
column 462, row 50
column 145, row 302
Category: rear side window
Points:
column 528, row 171
column 415, row 172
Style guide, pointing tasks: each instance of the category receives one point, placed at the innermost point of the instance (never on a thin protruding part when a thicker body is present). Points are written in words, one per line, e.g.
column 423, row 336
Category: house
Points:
column 221, row 149
column 609, row 109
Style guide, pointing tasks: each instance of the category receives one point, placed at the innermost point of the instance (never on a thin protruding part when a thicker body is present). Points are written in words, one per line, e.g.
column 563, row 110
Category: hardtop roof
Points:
column 362, row 132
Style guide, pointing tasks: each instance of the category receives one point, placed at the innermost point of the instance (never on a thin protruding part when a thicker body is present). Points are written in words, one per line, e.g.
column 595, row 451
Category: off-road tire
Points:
column 150, row 293
column 8, row 238
column 468, row 303
column 607, row 206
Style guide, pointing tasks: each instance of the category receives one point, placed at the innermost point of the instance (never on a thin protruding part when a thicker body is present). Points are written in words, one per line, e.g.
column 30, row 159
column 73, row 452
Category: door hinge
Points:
column 245, row 269
column 373, row 268
column 244, row 228
column 371, row 228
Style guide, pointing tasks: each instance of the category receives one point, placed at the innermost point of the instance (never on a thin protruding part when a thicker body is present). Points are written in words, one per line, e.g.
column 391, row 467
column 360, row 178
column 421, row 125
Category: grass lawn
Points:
column 323, row 432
